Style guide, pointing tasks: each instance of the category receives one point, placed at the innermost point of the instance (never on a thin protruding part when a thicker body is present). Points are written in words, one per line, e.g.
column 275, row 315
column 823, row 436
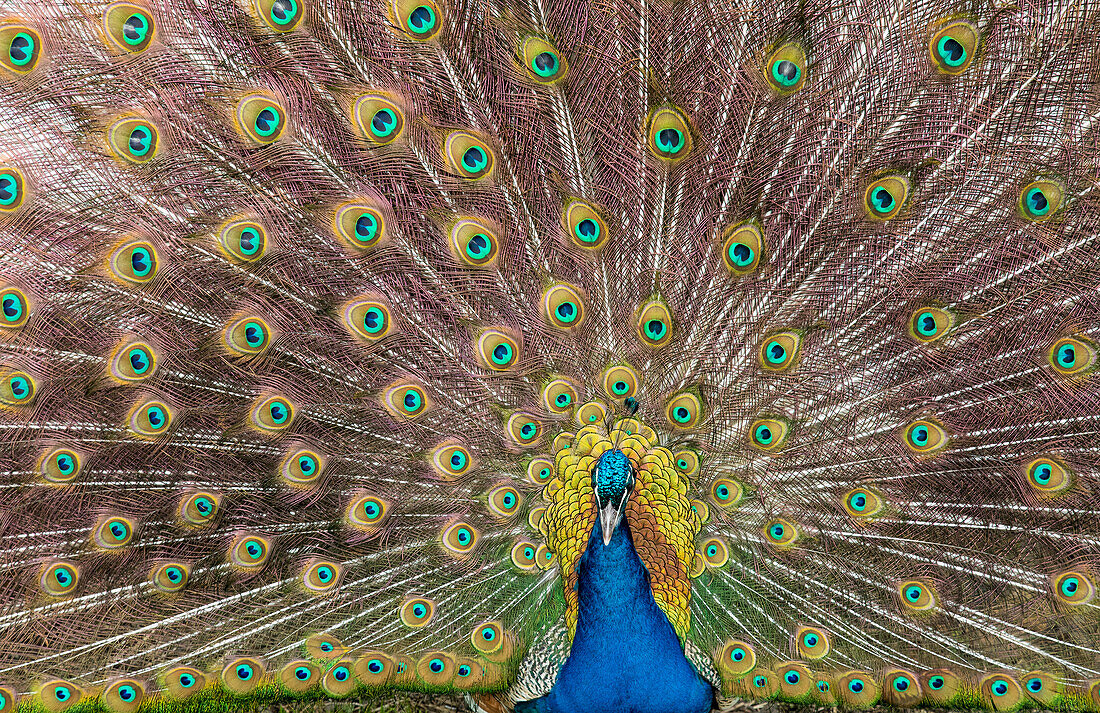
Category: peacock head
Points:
column 612, row 479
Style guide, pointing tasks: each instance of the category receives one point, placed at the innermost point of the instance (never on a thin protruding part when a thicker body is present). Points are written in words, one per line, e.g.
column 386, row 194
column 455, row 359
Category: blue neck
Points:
column 626, row 657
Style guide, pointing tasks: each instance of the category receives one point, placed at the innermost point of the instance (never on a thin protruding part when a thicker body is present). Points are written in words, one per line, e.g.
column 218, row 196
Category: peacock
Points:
column 561, row 356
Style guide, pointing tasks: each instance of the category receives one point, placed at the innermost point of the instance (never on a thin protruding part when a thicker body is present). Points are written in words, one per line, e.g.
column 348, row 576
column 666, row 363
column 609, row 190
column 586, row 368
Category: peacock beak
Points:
column 610, row 515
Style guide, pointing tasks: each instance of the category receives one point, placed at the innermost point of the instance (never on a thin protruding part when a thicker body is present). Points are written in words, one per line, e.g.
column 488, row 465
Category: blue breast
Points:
column 626, row 657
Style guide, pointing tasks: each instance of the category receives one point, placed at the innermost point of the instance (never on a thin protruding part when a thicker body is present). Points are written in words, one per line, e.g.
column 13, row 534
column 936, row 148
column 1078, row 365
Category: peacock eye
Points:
column 885, row 197
column 952, row 48
column 785, row 70
column 563, row 306
column 1040, row 200
column 542, row 61
column 669, row 134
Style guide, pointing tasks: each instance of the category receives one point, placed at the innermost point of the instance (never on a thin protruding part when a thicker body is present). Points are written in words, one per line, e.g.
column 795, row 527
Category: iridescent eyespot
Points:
column 504, row 500
column 243, row 240
column 929, row 324
column 468, row 674
column 368, row 318
column 1048, row 476
column 338, row 681
column 684, row 411
column 459, row 538
column 736, row 658
column 1074, row 587
column 12, row 193
column 133, row 362
column 742, row 246
column 523, row 555
column 247, row 336
column 14, row 308
column 17, row 388
column 1040, row 200
column 134, row 262
column 885, row 197
column 468, row 156
column 183, row 681
column 128, row 27
column 133, row 139
column 406, row 400
column 544, row 557
column 861, row 503
column 417, row 612
column 940, row 685
column 324, row 646
column 60, row 465
column 725, row 493
column 563, row 306
column 374, row 668
column 778, row 352
column 654, row 324
column 559, row 396
column 924, row 437
column 763, row 683
column 260, row 118
column 524, row 429
column 901, row 688
column 669, row 134
column 273, row 414
column 367, row 512
column 686, row 462
column 785, row 69
column 1072, row 355
column 124, row 695
column 620, row 381
column 199, row 508
column 795, row 679
column 417, row 19
column 299, row 676
column 714, row 552
column 1001, row 690
column 113, row 532
column 359, row 225
column 20, row 48
column 59, row 578
column 780, row 533
column 488, row 637
column 857, row 688
column 170, row 577
column 451, row 459
column 917, row 596
column 150, row 419
column 281, row 15
column 584, row 225
column 496, row 350
column 541, row 470
column 542, row 61
column 811, row 642
column 1041, row 686
column 768, row 434
column 301, row 468
column 378, row 119
column 242, row 675
column 952, row 48
column 591, row 412
column 57, row 695
column 435, row 668
column 321, row 576
column 249, row 551
column 474, row 243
